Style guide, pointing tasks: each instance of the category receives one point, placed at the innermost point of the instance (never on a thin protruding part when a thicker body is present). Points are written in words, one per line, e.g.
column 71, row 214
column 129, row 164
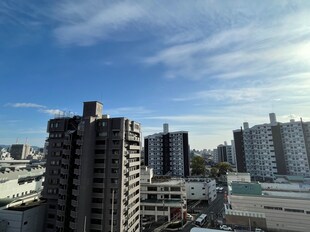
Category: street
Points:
column 215, row 210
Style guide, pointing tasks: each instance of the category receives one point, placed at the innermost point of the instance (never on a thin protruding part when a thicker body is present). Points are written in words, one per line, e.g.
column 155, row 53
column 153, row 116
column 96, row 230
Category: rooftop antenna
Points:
column 16, row 140
column 26, row 140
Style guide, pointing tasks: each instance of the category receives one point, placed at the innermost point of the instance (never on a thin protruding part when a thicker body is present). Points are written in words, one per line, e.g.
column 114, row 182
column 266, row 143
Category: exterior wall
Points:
column 279, row 212
column 239, row 149
column 233, row 152
column 18, row 183
column 201, row 189
column 30, row 220
column 295, row 136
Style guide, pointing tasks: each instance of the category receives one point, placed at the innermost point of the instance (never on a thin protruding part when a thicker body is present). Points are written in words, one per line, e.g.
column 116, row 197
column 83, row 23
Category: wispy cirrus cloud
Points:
column 25, row 105
column 40, row 108
column 138, row 110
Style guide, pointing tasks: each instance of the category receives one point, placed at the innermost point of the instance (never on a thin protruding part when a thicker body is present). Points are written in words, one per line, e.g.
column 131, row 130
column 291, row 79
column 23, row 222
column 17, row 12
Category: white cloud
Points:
column 25, row 105
column 40, row 108
column 139, row 110
column 54, row 112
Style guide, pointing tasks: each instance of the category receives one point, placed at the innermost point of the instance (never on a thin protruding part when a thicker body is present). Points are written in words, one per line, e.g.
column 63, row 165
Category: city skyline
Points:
column 203, row 67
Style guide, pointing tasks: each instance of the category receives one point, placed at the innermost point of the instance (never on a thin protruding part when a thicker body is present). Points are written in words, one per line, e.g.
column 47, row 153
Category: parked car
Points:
column 224, row 227
column 189, row 217
column 258, row 230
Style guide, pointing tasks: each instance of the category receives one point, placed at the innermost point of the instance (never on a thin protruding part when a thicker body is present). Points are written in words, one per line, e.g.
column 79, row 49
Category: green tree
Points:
column 223, row 167
column 214, row 172
column 198, row 166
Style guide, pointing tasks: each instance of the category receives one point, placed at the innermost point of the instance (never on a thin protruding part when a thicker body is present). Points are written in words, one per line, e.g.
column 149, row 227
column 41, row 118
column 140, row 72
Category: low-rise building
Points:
column 15, row 183
column 162, row 197
column 22, row 215
column 238, row 177
column 273, row 208
column 200, row 189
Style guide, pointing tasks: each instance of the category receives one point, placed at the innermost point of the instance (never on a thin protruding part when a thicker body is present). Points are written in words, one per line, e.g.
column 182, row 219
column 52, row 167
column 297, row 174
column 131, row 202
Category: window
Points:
column 97, row 200
column 95, row 221
column 295, row 210
column 175, row 189
column 99, row 161
column 99, row 170
column 97, row 190
column 96, row 211
column 271, row 207
column 98, row 180
column 151, row 188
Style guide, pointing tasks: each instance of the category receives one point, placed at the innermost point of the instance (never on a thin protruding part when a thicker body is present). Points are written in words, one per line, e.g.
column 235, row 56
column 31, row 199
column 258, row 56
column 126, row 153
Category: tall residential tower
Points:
column 167, row 153
column 92, row 173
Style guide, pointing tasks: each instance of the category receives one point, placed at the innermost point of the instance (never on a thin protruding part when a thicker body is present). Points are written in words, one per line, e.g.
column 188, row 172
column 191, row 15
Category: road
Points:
column 217, row 207
column 215, row 210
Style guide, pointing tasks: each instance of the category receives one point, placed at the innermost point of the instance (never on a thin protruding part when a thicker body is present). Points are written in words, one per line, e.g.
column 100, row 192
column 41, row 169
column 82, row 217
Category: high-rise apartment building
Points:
column 239, row 150
column 274, row 148
column 225, row 153
column 167, row 153
column 92, row 173
column 19, row 151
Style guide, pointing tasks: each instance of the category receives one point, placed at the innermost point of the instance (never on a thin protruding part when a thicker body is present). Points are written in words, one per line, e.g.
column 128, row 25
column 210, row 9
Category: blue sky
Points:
column 201, row 66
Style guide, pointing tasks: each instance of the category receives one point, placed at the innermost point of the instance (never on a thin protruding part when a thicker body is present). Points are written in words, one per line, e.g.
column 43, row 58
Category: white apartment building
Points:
column 15, row 183
column 259, row 150
column 162, row 197
column 200, row 189
column 272, row 209
column 295, row 138
column 276, row 148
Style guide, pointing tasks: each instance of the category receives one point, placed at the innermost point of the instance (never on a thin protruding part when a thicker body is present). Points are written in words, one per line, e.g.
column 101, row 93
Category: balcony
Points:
column 73, row 214
column 72, row 225
column 136, row 163
column 77, row 161
column 74, row 203
column 76, row 182
column 134, row 147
